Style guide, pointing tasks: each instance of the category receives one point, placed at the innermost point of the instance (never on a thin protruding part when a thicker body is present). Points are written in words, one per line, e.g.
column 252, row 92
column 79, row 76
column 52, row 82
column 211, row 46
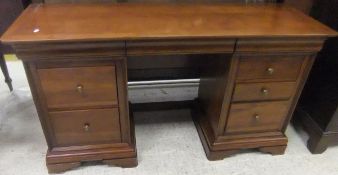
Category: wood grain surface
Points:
column 166, row 21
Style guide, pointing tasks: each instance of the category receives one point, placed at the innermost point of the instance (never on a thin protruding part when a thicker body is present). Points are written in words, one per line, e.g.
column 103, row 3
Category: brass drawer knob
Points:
column 265, row 91
column 79, row 88
column 86, row 127
column 270, row 70
column 256, row 117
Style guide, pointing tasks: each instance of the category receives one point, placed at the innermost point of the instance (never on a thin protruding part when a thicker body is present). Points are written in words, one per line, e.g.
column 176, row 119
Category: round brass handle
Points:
column 86, row 127
column 270, row 70
column 265, row 91
column 79, row 88
column 257, row 117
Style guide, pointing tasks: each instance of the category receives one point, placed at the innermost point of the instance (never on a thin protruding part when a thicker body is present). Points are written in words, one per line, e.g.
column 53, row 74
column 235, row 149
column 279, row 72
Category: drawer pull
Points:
column 270, row 70
column 79, row 88
column 265, row 91
column 256, row 117
column 86, row 127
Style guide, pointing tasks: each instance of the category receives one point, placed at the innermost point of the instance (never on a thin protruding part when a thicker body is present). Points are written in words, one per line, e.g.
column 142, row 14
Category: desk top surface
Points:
column 90, row 22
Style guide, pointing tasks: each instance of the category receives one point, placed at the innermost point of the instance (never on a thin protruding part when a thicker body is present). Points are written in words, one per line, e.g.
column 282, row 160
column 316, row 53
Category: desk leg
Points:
column 4, row 69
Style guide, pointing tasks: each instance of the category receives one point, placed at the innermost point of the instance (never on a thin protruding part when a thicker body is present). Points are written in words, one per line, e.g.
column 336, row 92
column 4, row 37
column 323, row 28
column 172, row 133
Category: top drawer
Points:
column 79, row 86
column 269, row 68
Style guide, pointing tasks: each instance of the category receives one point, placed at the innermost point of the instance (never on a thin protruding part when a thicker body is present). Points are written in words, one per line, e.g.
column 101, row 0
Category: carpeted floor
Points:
column 167, row 142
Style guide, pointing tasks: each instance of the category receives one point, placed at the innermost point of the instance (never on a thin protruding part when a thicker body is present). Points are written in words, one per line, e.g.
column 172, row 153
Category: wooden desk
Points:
column 253, row 63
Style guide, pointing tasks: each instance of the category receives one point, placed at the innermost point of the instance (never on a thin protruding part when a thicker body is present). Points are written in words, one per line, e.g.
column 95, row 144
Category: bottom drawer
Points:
column 84, row 127
column 254, row 117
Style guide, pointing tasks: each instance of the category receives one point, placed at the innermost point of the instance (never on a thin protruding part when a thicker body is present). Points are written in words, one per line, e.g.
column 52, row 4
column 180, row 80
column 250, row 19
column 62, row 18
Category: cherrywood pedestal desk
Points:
column 253, row 62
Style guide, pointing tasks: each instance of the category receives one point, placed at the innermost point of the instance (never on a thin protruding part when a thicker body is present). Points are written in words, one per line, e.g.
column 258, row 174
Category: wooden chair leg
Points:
column 4, row 69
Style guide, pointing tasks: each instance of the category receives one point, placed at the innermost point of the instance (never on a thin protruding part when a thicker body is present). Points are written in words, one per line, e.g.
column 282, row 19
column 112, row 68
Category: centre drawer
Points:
column 256, row 117
column 269, row 68
column 83, row 127
column 263, row 91
column 79, row 86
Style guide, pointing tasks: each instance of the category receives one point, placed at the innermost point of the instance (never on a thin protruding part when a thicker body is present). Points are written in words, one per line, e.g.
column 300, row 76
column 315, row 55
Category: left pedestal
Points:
column 83, row 109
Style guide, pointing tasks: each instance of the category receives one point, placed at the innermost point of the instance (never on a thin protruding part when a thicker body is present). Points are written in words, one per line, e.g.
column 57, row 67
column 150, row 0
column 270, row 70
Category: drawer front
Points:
column 83, row 127
column 256, row 117
column 79, row 86
column 263, row 91
column 280, row 68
